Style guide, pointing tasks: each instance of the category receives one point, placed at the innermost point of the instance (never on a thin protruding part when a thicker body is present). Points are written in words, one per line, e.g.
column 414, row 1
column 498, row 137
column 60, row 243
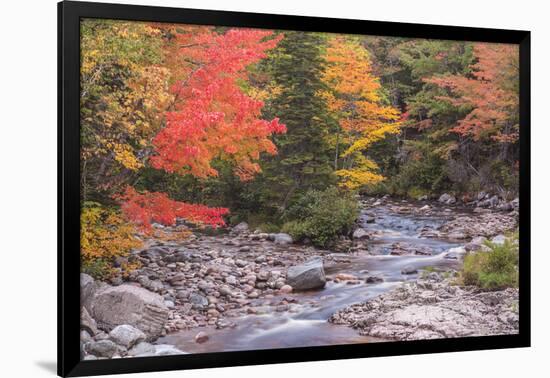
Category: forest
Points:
column 198, row 130
column 215, row 126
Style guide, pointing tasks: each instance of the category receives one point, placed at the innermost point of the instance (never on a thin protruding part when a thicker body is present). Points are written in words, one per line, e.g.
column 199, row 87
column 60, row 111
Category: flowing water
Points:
column 305, row 323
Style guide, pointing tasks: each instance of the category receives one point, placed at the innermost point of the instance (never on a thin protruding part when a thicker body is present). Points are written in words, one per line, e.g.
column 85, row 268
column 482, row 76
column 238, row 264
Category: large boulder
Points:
column 88, row 289
column 87, row 323
column 132, row 305
column 309, row 275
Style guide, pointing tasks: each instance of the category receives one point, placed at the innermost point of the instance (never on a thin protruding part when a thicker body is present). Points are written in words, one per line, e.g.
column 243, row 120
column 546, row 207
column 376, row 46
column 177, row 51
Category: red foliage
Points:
column 213, row 117
column 143, row 209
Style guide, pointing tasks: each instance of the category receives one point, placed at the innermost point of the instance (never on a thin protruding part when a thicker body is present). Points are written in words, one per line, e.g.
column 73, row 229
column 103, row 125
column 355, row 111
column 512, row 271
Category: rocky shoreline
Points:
column 432, row 308
column 214, row 280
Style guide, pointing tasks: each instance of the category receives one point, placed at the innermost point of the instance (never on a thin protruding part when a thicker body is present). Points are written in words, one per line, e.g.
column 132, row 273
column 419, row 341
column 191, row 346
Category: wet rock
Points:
column 126, row 335
column 409, row 270
column 345, row 277
column 142, row 349
column 127, row 304
column 309, row 275
column 285, row 289
column 201, row 337
column 456, row 253
column 425, row 208
column 166, row 350
column 374, row 279
column 360, row 233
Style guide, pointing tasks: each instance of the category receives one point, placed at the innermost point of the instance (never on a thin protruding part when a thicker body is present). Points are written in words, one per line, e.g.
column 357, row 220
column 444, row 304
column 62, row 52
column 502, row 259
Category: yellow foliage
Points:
column 354, row 95
column 104, row 236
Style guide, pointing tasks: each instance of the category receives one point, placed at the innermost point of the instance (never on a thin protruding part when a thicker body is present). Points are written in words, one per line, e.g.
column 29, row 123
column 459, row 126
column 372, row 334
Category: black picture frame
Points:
column 69, row 15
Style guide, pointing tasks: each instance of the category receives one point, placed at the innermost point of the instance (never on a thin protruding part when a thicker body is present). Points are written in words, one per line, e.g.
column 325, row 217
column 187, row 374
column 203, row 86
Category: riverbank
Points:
column 243, row 289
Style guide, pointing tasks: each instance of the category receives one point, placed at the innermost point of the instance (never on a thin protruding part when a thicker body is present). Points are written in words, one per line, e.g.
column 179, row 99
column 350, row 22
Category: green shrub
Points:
column 492, row 270
column 321, row 216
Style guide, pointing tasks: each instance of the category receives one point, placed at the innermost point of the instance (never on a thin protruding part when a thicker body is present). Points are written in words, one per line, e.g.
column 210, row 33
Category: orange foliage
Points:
column 490, row 91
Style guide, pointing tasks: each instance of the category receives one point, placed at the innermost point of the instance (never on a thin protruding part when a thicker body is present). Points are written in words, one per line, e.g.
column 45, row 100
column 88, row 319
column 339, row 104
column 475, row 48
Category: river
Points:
column 304, row 323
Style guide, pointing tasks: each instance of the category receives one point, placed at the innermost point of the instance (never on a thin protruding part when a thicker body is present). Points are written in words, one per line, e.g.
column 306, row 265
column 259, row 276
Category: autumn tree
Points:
column 490, row 91
column 354, row 96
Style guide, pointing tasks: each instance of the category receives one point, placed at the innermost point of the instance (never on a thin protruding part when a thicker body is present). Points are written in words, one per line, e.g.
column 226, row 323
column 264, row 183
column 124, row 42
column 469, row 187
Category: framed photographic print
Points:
column 239, row 188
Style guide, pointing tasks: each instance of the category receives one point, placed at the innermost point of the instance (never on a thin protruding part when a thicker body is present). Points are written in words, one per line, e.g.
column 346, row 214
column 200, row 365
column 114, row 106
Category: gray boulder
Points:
column 88, row 289
column 103, row 348
column 409, row 270
column 143, row 349
column 241, row 227
column 87, row 323
column 198, row 301
column 127, row 304
column 309, row 275
column 126, row 335
column 282, row 238
column 447, row 199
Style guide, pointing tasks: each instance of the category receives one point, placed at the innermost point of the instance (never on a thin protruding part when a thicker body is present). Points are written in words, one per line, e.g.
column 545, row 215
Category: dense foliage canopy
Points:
column 213, row 125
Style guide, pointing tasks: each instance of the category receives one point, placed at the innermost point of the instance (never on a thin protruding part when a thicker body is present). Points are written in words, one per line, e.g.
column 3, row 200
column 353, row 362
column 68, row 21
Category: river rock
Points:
column 87, row 323
column 142, row 349
column 241, row 227
column 198, row 301
column 285, row 289
column 374, row 279
column 455, row 253
column 499, row 240
column 475, row 244
column 447, row 199
column 88, row 289
column 360, row 233
column 128, row 304
column 309, row 275
column 431, row 310
column 126, row 335
column 103, row 348
column 167, row 350
column 345, row 277
column 201, row 337
column 282, row 238
column 409, row 270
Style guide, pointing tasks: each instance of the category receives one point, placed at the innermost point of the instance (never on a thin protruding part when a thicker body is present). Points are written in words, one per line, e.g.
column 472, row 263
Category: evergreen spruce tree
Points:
column 304, row 158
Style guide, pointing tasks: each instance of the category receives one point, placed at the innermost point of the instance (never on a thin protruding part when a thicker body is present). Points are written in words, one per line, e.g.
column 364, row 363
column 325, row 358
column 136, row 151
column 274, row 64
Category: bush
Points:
column 497, row 269
column 104, row 236
column 321, row 216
